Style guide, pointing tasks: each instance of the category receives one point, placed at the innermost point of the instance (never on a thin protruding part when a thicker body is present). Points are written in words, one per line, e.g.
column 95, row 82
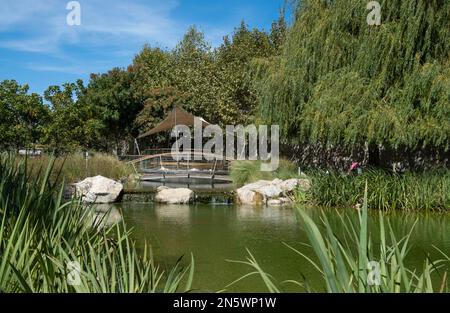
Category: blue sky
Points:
column 37, row 46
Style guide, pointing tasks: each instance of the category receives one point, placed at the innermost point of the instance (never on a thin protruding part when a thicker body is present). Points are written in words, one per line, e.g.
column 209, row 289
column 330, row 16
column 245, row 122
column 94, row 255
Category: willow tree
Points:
column 340, row 81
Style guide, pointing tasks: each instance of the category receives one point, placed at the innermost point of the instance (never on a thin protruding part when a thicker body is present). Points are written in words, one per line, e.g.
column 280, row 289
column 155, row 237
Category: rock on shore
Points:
column 174, row 195
column 272, row 193
column 99, row 189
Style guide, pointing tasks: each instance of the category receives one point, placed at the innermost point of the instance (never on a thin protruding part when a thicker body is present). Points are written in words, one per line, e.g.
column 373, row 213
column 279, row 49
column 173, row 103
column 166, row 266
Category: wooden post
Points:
column 214, row 171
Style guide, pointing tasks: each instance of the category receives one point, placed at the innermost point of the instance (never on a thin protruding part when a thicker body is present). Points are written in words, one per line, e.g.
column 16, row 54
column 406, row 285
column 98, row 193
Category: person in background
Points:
column 355, row 168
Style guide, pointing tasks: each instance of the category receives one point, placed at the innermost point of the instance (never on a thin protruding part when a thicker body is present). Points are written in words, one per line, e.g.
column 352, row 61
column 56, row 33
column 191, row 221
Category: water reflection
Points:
column 216, row 233
column 272, row 215
column 176, row 214
column 105, row 215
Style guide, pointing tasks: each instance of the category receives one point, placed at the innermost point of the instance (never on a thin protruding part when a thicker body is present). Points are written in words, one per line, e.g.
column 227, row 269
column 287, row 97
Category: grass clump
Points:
column 40, row 236
column 245, row 172
column 409, row 191
column 74, row 167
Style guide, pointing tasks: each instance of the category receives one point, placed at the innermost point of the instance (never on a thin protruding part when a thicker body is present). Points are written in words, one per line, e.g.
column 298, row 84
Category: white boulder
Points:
column 248, row 197
column 266, row 188
column 270, row 191
column 273, row 193
column 290, row 185
column 98, row 189
column 174, row 196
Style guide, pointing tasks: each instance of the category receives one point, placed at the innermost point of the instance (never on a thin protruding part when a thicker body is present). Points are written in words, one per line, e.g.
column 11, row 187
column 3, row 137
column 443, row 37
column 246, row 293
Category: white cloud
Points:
column 40, row 26
column 110, row 34
column 56, row 68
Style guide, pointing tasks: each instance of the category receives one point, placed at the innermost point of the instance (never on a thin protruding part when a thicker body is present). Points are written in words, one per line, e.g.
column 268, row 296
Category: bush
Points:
column 244, row 172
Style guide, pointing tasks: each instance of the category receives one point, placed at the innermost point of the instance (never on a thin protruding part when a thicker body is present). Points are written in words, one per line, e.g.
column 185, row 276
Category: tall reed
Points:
column 409, row 191
column 360, row 261
column 75, row 167
column 41, row 237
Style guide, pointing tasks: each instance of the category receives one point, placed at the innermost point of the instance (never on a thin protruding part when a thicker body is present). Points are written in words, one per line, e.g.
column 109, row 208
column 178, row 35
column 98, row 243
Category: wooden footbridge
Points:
column 161, row 165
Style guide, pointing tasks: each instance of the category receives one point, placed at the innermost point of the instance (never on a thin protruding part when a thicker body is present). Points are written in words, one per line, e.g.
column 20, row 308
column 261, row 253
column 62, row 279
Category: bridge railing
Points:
column 186, row 161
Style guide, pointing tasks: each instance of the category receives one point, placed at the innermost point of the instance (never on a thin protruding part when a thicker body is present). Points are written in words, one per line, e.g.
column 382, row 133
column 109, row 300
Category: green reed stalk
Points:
column 40, row 235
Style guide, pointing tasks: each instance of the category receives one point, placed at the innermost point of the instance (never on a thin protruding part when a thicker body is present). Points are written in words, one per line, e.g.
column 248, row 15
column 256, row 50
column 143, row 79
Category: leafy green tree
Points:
column 22, row 115
column 341, row 82
column 194, row 74
column 215, row 83
column 237, row 96
column 151, row 68
column 159, row 103
column 113, row 102
column 72, row 122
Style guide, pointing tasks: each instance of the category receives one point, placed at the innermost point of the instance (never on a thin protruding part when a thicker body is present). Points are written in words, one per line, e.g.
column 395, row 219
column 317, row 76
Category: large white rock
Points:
column 271, row 192
column 290, row 185
column 248, row 197
column 258, row 184
column 174, row 196
column 268, row 189
column 99, row 189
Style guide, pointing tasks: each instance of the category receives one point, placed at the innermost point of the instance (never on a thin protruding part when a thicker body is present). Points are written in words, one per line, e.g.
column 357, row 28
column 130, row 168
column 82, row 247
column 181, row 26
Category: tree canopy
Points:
column 340, row 81
column 328, row 79
column 22, row 115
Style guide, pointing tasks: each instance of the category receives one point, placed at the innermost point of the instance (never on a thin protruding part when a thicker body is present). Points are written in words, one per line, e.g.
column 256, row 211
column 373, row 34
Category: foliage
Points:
column 22, row 115
column 340, row 81
column 72, row 123
column 74, row 167
column 159, row 103
column 409, row 191
column 118, row 105
column 40, row 235
column 345, row 262
column 114, row 103
column 212, row 83
column 244, row 172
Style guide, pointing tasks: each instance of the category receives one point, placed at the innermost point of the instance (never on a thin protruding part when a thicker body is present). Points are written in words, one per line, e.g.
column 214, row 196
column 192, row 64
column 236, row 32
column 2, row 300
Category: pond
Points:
column 215, row 233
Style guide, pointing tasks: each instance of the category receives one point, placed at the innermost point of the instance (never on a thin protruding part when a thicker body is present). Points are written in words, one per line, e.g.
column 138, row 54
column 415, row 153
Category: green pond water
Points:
column 216, row 233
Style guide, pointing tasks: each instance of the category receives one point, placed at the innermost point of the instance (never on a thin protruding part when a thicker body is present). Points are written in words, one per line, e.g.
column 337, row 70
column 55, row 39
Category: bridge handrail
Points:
column 181, row 154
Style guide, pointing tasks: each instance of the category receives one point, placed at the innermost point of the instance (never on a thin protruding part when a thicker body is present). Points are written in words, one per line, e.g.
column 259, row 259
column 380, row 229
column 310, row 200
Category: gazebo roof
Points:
column 178, row 116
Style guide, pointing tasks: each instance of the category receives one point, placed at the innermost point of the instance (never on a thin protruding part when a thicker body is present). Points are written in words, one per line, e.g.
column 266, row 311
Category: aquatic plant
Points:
column 410, row 191
column 360, row 261
column 50, row 246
